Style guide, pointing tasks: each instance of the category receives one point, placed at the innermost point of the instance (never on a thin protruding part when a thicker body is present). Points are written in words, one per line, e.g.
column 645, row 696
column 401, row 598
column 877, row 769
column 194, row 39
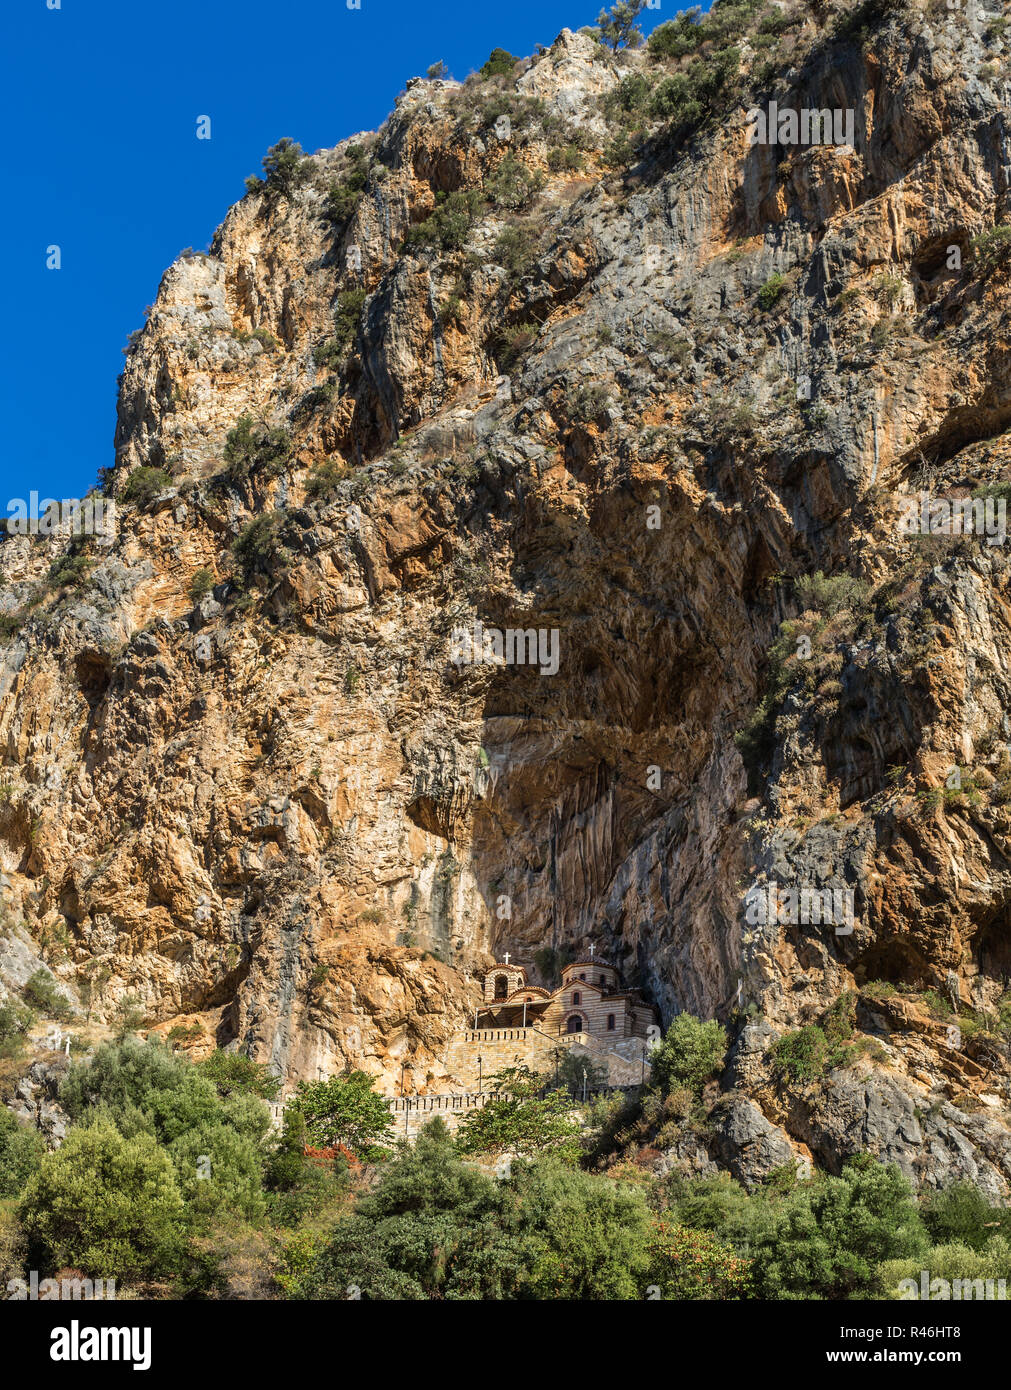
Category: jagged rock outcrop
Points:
column 528, row 381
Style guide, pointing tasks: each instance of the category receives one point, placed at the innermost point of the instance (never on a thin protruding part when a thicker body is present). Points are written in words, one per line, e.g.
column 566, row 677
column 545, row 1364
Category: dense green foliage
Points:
column 144, row 484
column 691, row 1054
column 254, row 446
column 106, row 1204
column 499, row 64
column 436, row 1227
column 344, row 1110
column 21, row 1150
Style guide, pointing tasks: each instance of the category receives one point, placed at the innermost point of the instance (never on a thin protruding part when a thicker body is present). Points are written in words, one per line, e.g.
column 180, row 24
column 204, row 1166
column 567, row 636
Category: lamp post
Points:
column 480, row 1074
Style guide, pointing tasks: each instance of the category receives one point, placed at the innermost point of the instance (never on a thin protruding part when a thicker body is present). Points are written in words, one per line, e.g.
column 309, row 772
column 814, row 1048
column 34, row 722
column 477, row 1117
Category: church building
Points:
column 588, row 1000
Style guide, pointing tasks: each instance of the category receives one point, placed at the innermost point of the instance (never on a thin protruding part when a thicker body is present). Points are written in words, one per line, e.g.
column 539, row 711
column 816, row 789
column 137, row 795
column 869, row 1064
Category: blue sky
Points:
column 103, row 99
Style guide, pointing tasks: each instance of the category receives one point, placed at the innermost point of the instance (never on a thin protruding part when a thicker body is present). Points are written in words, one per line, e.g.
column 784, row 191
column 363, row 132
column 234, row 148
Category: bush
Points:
column 513, row 185
column 992, row 249
column 254, row 446
column 516, row 249
column 107, row 1205
column 218, row 1174
column 15, row 1021
column 285, row 169
column 21, row 1151
column 564, row 158
column 201, row 584
column 144, row 484
column 499, row 63
column 433, row 1227
column 324, row 480
column 349, row 308
column 344, row 194
column 70, row 570
column 961, row 1215
column 677, row 37
column 519, row 1120
column 824, row 1239
column 949, row 1261
column 41, row 993
column 691, row 1054
column 696, row 1265
column 513, row 341
column 831, row 594
column 771, row 291
column 801, row 1055
column 143, row 1088
column 258, row 547
column 449, row 225
column 619, row 26
column 235, row 1074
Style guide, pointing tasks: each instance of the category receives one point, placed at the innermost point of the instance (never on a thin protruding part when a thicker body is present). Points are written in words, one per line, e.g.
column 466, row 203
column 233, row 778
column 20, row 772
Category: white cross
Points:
column 591, row 950
column 507, row 957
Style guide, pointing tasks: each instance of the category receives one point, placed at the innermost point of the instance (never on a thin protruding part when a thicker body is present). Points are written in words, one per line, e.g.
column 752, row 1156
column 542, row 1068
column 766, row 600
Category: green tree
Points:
column 520, row 1120
column 434, row 1227
column 253, row 445
column 218, row 1173
column 499, row 63
column 619, row 26
column 582, row 1237
column 21, row 1150
column 344, row 1110
column 696, row 1265
column 691, row 1054
column 285, row 169
column 107, row 1205
column 233, row 1073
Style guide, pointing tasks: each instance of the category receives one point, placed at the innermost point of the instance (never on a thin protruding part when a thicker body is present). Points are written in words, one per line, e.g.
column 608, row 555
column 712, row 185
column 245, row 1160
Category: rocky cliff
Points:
column 563, row 348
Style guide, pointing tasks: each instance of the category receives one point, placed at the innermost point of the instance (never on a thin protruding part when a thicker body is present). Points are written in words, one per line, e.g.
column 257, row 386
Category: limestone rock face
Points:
column 285, row 815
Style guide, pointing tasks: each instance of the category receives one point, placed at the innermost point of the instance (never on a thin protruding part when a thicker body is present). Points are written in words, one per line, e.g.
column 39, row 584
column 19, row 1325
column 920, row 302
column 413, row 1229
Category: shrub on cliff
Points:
column 285, row 169
column 498, row 64
column 513, row 185
column 691, row 1054
column 144, row 484
column 619, row 26
column 448, row 226
column 258, row 547
column 993, row 249
column 42, row 993
column 15, row 1021
column 252, row 446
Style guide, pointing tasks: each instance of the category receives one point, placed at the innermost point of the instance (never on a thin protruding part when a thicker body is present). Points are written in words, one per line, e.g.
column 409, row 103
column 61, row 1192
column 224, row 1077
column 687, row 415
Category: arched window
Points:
column 577, row 998
column 603, row 982
column 610, row 1023
column 583, row 976
column 575, row 1024
column 501, row 986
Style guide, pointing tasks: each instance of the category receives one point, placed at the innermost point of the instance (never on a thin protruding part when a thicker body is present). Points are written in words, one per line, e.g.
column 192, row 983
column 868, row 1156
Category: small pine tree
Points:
column 285, row 167
column 619, row 26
